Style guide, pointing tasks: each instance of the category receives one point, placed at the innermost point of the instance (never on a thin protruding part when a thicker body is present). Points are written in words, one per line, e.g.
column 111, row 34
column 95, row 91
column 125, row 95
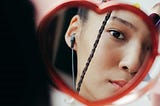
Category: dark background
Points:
column 23, row 78
column 63, row 57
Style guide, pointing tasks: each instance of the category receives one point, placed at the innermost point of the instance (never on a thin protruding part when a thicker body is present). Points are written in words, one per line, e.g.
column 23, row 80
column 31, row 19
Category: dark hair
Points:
column 83, row 13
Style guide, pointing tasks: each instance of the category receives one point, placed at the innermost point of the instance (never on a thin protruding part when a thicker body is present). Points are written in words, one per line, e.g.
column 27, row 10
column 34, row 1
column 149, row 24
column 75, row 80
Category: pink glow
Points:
column 42, row 7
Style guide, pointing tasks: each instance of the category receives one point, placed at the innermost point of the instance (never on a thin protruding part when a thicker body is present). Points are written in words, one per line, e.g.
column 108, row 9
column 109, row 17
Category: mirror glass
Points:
column 112, row 51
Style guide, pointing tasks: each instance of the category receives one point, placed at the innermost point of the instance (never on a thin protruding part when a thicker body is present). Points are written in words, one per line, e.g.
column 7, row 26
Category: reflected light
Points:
column 126, row 99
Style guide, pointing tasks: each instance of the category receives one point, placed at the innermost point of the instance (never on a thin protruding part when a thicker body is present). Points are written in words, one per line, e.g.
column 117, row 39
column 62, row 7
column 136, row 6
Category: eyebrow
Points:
column 124, row 22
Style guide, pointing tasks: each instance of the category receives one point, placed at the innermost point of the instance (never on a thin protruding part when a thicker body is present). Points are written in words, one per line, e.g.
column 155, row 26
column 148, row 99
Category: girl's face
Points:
column 123, row 48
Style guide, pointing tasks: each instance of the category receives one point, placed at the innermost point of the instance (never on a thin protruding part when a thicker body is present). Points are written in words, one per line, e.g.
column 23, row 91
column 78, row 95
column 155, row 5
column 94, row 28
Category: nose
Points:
column 132, row 59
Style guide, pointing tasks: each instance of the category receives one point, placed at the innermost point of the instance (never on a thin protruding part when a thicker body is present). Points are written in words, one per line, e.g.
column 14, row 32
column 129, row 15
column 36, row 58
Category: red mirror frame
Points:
column 98, row 8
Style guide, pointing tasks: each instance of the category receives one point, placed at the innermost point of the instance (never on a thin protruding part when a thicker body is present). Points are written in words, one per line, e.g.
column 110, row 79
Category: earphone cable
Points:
column 73, row 76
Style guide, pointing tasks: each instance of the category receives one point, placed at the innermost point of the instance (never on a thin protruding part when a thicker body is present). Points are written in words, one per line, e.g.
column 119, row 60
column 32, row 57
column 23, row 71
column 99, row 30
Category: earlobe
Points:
column 73, row 29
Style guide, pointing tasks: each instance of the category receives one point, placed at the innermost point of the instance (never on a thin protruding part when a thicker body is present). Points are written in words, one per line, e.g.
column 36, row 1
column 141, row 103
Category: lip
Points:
column 118, row 83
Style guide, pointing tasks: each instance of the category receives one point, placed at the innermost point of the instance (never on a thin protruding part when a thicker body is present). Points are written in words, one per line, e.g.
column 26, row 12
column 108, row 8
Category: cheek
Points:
column 105, row 60
column 84, row 48
column 85, row 44
column 108, row 54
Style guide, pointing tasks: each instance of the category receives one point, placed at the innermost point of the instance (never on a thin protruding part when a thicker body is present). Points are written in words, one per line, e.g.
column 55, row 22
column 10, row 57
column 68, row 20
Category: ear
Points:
column 74, row 28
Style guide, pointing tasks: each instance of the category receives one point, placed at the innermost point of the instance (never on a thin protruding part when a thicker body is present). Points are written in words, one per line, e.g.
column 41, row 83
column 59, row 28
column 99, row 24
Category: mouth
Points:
column 118, row 83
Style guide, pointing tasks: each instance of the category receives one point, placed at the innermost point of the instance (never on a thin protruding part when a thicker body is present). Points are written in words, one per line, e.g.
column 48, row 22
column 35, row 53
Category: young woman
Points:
column 122, row 50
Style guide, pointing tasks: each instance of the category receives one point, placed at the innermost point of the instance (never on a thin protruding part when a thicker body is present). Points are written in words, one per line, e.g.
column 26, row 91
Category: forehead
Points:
column 125, row 17
column 130, row 20
column 129, row 17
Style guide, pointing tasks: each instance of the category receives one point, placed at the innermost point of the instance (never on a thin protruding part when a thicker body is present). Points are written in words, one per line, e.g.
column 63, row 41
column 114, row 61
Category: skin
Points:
column 123, row 48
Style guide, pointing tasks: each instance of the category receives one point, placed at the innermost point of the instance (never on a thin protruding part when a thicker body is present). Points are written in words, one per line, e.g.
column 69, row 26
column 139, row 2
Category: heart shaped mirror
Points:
column 99, row 52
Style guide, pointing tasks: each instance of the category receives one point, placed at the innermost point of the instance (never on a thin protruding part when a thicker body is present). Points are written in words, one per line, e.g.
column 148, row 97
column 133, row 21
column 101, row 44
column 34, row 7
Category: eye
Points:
column 116, row 34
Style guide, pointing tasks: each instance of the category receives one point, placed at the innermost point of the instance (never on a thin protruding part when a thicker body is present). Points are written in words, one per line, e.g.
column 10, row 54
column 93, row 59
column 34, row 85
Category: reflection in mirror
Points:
column 109, row 49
